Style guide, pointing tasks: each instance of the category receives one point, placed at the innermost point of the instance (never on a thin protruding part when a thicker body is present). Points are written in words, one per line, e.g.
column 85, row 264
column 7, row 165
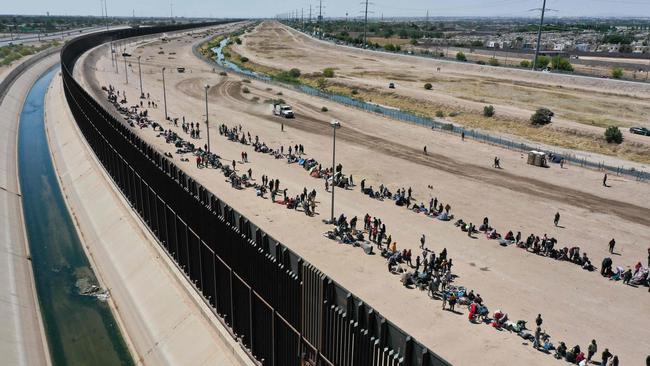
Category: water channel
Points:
column 79, row 325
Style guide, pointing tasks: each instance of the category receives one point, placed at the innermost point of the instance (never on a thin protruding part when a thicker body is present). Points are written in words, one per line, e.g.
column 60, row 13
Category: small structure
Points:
column 537, row 158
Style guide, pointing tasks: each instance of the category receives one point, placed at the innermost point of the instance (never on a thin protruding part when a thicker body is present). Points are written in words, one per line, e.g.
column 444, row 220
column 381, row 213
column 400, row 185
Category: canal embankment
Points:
column 166, row 321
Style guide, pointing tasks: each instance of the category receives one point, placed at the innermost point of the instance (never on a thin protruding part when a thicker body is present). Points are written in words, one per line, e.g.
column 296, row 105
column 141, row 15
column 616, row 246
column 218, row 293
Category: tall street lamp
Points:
column 335, row 126
column 207, row 126
column 126, row 71
column 164, row 93
column 140, row 72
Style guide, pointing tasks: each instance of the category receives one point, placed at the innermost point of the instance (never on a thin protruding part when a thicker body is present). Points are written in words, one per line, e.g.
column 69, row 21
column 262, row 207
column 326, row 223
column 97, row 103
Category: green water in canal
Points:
column 80, row 329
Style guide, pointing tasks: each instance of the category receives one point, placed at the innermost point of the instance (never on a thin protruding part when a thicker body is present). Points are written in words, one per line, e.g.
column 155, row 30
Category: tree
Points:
column 542, row 62
column 493, row 62
column 488, row 111
column 460, row 56
column 389, row 47
column 525, row 63
column 617, row 73
column 561, row 63
column 294, row 73
column 328, row 72
column 613, row 135
column 428, row 86
column 237, row 40
column 414, row 42
column 542, row 116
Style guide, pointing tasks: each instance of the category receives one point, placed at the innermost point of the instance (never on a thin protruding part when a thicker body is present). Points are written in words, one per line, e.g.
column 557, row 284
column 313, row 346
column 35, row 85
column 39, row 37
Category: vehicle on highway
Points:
column 282, row 110
column 126, row 54
column 640, row 131
column 180, row 69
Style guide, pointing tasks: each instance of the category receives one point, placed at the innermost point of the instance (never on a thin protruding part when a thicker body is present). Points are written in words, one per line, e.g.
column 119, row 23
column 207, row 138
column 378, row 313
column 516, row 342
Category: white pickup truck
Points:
column 282, row 110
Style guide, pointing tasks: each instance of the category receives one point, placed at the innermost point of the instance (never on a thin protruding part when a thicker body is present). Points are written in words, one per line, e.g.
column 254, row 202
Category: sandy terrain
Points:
column 519, row 197
column 582, row 105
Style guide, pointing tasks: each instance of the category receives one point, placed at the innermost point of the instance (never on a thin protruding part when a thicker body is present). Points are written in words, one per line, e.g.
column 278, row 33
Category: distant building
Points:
column 582, row 47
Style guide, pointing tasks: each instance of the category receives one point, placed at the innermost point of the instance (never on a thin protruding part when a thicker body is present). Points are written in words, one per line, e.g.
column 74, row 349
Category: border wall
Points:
column 282, row 309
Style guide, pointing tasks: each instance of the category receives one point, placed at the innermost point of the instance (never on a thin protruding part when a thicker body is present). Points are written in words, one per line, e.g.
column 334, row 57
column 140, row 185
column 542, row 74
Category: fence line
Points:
column 281, row 308
column 443, row 126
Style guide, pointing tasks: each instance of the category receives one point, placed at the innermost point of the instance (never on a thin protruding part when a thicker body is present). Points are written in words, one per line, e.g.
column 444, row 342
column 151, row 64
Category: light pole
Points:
column 140, row 72
column 207, row 126
column 126, row 71
column 335, row 125
column 164, row 93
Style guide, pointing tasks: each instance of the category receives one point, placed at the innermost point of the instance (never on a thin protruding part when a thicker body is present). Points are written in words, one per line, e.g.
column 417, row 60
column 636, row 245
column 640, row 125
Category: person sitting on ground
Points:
column 493, row 234
column 510, row 236
column 560, row 351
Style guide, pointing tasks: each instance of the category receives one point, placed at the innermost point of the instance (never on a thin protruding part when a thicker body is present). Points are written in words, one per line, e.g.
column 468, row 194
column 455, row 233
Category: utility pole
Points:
column 320, row 11
column 365, row 26
column 427, row 17
column 302, row 17
column 171, row 12
column 309, row 13
column 106, row 13
column 539, row 35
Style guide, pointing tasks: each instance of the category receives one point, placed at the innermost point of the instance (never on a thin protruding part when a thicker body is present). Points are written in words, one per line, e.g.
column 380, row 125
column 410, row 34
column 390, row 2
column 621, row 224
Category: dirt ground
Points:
column 576, row 305
column 584, row 107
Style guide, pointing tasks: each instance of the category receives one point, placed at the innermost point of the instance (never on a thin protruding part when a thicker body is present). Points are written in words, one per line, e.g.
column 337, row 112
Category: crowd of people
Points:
column 427, row 271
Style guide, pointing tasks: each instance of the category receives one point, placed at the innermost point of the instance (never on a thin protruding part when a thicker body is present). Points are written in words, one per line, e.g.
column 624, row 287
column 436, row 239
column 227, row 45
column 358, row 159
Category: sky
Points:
column 333, row 8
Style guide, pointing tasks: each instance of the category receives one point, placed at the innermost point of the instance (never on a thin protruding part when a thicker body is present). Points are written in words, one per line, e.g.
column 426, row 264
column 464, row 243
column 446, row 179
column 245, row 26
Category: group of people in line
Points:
column 430, row 271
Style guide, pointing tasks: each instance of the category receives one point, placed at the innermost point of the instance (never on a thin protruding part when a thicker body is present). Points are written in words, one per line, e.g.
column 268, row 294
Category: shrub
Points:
column 453, row 114
column 355, row 92
column 525, row 63
column 542, row 62
column 561, row 63
column 245, row 90
column 460, row 56
column 223, row 73
column 324, row 109
column 294, row 73
column 488, row 111
column 255, row 99
column 237, row 40
column 243, row 59
column 480, row 62
column 428, row 86
column 389, row 47
column 440, row 114
column 414, row 42
column 493, row 62
column 617, row 73
column 269, row 89
column 542, row 116
column 246, row 81
column 328, row 72
column 321, row 83
column 278, row 93
column 613, row 135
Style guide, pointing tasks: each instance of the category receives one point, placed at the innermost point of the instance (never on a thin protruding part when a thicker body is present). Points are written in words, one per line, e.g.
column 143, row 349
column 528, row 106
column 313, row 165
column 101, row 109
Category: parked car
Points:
column 640, row 131
column 391, row 85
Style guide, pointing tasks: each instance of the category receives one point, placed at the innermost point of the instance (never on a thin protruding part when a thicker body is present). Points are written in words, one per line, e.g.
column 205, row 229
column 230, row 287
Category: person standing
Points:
column 612, row 243
column 422, row 240
column 605, row 357
column 591, row 350
column 539, row 320
column 605, row 180
column 425, row 149
column 556, row 221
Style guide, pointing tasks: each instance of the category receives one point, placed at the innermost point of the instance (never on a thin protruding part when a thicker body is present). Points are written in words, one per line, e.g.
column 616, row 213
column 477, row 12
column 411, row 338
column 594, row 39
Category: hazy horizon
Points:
column 339, row 8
